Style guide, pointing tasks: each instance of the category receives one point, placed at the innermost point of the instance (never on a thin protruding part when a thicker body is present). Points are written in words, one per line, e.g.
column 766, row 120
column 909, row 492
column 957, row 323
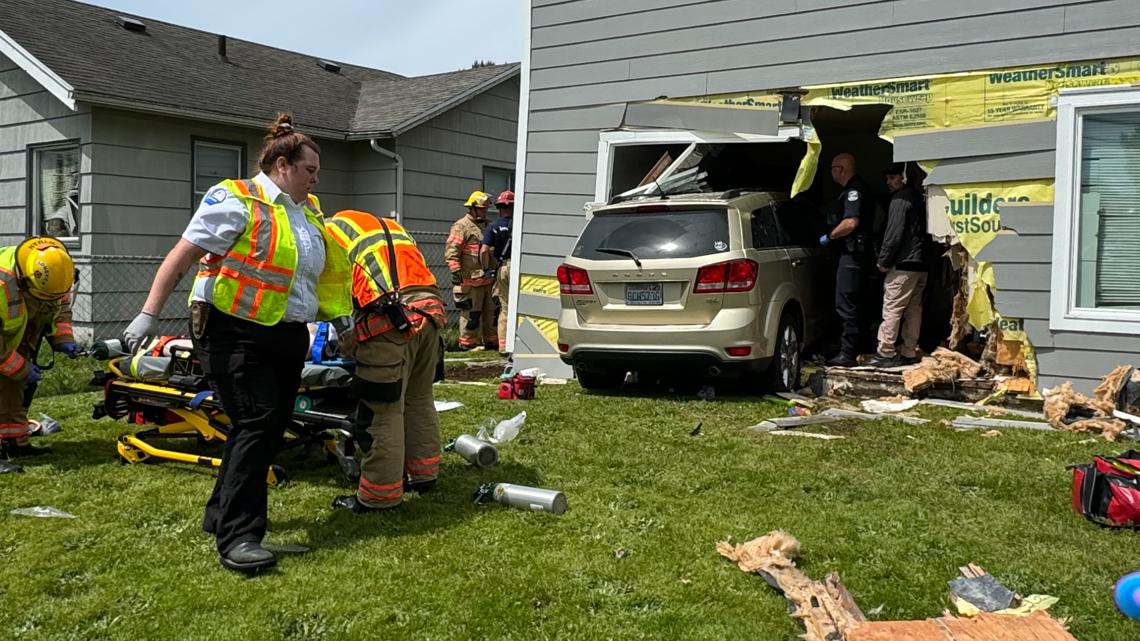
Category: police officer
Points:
column 495, row 255
column 852, row 235
column 397, row 348
column 266, row 268
column 471, row 287
column 36, row 278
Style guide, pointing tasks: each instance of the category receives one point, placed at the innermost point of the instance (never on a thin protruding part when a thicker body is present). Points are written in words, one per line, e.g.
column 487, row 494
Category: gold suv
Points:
column 702, row 285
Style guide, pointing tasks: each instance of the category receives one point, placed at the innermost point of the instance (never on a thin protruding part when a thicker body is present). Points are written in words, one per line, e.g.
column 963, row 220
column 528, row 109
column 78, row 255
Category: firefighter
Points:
column 37, row 277
column 495, row 255
column 471, row 286
column 398, row 351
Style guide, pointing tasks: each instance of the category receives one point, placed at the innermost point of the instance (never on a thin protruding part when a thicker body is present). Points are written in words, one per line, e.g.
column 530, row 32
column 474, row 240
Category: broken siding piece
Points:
column 973, row 423
column 791, row 421
column 864, row 416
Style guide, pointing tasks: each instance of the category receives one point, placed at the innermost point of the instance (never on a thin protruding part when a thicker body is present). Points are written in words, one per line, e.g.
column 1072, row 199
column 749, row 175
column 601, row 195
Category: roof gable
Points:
column 174, row 69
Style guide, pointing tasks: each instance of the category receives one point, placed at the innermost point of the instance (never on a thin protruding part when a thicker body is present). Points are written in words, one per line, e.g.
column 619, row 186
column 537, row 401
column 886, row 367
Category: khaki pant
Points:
column 502, row 295
column 476, row 315
column 902, row 305
column 402, row 437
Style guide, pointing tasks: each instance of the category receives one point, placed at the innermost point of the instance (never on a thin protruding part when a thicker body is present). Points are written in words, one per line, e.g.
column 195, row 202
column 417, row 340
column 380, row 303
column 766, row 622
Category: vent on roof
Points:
column 131, row 24
column 329, row 65
column 222, row 46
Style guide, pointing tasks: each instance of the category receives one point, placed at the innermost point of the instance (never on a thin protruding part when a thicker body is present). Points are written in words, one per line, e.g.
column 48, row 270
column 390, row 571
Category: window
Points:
column 54, row 190
column 496, row 181
column 765, row 232
column 681, row 233
column 213, row 163
column 1096, row 240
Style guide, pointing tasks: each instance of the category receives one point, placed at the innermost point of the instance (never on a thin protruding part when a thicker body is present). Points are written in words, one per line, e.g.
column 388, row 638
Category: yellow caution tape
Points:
column 538, row 285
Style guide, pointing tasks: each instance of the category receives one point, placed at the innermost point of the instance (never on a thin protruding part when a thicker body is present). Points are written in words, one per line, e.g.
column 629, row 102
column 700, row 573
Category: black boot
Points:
column 351, row 503
column 420, row 487
column 11, row 449
column 248, row 557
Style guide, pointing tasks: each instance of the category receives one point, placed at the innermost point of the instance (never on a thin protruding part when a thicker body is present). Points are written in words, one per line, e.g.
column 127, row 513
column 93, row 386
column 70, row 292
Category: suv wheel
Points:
column 600, row 380
column 784, row 372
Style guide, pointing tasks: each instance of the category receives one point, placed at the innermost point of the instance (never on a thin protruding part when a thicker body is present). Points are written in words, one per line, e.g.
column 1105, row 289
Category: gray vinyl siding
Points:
column 590, row 57
column 30, row 115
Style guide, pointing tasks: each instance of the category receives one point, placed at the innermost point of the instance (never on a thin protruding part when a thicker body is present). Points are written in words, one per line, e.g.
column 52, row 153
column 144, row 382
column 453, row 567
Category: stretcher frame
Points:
column 178, row 413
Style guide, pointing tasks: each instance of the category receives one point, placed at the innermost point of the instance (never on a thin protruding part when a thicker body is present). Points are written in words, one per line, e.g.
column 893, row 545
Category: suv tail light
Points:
column 573, row 280
column 731, row 276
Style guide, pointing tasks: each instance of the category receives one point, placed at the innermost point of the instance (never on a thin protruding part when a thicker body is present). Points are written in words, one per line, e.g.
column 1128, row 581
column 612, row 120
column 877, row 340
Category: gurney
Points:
column 168, row 398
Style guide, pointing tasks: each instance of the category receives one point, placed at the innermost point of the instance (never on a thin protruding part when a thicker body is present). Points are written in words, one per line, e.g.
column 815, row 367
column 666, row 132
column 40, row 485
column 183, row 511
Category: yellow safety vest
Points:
column 13, row 313
column 253, row 279
column 363, row 237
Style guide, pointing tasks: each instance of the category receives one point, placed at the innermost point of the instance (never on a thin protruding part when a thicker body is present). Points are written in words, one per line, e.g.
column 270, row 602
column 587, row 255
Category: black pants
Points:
column 848, row 291
column 255, row 370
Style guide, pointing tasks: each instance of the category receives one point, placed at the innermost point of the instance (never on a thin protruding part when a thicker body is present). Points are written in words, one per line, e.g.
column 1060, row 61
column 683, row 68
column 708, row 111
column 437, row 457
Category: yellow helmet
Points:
column 46, row 269
column 478, row 199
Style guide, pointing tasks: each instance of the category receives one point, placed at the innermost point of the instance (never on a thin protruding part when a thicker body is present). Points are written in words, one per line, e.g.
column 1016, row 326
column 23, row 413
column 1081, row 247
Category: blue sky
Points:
column 409, row 37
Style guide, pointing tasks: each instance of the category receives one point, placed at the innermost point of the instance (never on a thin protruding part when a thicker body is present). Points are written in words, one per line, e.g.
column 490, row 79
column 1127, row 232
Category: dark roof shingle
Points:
column 175, row 67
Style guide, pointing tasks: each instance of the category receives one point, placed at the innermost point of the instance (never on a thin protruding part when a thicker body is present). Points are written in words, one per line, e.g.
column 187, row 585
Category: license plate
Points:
column 643, row 294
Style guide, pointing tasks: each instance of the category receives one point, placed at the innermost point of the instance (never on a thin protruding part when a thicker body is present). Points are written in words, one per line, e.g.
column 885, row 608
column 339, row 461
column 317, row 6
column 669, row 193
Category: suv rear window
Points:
column 684, row 233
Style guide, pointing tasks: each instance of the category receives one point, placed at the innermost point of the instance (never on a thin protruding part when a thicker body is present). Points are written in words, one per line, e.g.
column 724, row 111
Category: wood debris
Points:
column 1038, row 626
column 823, row 437
column 943, row 366
column 829, row 613
column 825, row 607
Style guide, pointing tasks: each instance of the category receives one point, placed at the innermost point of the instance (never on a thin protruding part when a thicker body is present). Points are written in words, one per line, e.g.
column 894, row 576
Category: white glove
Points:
column 144, row 326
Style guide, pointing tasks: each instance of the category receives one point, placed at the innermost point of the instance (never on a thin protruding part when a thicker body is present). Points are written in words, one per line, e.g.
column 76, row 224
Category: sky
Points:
column 408, row 37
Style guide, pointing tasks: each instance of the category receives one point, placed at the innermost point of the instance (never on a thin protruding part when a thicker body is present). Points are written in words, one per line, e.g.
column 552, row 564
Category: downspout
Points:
column 399, row 160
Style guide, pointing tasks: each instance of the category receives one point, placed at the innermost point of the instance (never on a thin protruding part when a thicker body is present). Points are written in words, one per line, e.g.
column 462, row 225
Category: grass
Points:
column 894, row 509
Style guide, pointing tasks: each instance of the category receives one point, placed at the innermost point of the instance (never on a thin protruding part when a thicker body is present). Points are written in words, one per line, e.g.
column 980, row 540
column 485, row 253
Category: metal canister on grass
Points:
column 536, row 499
column 475, row 451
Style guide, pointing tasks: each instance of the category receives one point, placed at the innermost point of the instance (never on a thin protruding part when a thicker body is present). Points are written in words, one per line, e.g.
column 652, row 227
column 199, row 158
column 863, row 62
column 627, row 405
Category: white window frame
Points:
column 609, row 140
column 217, row 144
column 34, row 202
column 1064, row 315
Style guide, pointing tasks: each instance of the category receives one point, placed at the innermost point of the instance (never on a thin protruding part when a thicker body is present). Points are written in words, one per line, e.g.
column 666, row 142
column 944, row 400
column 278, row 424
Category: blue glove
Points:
column 34, row 375
column 71, row 349
column 824, row 240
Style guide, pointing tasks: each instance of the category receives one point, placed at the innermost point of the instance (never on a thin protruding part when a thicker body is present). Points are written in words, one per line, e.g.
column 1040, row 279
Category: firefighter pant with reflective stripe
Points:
column 502, row 293
column 476, row 315
column 404, row 433
column 15, row 397
column 255, row 371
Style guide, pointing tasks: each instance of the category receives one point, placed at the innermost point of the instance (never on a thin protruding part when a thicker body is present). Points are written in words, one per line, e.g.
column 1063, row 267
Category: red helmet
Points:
column 506, row 198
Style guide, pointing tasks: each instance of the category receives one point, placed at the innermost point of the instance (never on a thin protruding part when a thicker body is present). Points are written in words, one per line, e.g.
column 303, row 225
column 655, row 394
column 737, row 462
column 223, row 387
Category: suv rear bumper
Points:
column 693, row 363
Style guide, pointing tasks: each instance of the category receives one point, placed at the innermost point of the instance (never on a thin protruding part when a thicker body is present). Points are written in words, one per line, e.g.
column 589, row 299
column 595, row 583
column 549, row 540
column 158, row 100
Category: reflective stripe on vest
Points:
column 253, row 279
column 13, row 315
column 422, row 310
column 363, row 237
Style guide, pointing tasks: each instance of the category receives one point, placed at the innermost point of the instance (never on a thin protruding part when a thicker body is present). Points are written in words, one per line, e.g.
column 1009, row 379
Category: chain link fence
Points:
column 112, row 289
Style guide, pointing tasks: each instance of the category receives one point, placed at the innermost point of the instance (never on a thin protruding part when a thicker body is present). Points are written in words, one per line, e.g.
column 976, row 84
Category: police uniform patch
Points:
column 216, row 196
column 852, row 196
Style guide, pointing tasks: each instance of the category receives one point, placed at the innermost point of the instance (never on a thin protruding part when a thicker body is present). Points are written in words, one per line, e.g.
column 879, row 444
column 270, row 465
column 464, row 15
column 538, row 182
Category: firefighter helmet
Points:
column 45, row 268
column 478, row 199
column 506, row 198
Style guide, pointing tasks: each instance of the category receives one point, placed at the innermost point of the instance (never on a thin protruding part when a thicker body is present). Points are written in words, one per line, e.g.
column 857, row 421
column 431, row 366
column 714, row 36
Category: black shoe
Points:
column 7, row 467
column 248, row 557
column 351, row 503
column 843, row 360
column 885, row 362
column 12, row 450
column 909, row 360
column 422, row 487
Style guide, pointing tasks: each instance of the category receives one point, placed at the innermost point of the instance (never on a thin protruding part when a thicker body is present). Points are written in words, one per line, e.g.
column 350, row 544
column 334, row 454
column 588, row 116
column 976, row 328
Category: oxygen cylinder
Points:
column 529, row 498
column 476, row 452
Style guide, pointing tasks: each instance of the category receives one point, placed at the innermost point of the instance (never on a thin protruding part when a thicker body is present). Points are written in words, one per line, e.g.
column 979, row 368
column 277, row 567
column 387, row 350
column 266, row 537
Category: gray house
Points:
column 113, row 126
column 1026, row 114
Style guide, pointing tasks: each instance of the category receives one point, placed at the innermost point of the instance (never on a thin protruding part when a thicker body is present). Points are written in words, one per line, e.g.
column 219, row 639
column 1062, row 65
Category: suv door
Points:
column 812, row 268
column 771, row 254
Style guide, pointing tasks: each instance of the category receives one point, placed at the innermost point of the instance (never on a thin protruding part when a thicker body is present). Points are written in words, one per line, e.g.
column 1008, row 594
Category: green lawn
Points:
column 894, row 509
